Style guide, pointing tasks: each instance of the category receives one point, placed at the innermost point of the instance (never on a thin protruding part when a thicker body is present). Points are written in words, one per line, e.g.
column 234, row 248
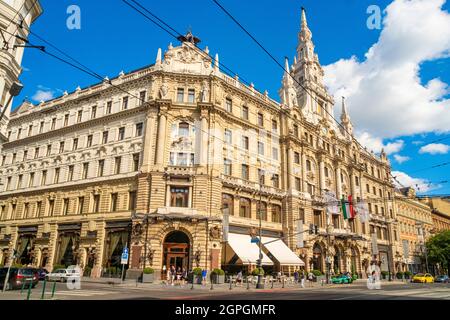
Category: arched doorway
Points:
column 354, row 260
column 317, row 257
column 337, row 260
column 176, row 248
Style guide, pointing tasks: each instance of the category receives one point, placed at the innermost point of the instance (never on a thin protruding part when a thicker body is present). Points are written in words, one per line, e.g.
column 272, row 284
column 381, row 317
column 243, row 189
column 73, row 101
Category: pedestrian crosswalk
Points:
column 84, row 293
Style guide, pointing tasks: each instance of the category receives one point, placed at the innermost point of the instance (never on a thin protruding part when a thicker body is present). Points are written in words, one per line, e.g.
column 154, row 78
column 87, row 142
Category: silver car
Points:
column 63, row 275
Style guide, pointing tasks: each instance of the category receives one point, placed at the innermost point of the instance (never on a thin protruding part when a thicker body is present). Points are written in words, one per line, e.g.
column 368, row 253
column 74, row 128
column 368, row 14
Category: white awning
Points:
column 281, row 252
column 247, row 252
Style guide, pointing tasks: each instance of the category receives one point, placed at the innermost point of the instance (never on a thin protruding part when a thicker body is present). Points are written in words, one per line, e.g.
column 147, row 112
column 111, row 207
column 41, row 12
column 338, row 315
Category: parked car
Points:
column 443, row 278
column 17, row 278
column 341, row 279
column 42, row 273
column 423, row 278
column 62, row 275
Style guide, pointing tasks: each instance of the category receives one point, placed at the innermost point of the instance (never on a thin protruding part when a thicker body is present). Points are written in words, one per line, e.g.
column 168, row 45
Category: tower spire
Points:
column 304, row 22
column 345, row 118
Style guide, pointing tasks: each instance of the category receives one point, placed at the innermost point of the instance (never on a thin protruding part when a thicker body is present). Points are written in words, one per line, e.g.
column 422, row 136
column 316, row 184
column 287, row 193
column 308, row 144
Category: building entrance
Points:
column 176, row 250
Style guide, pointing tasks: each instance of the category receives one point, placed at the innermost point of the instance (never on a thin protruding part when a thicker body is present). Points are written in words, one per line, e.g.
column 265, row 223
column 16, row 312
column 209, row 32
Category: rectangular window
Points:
column 261, row 148
column 31, row 181
column 36, row 153
column 245, row 112
column 26, row 210
column 85, row 170
column 244, row 173
column 94, row 112
column 227, row 167
column 142, row 96
column 318, row 218
column 38, row 208
column 261, row 176
column 30, row 129
column 66, row 120
column 79, row 116
column 357, row 181
column 41, row 127
column 14, row 156
column 89, row 141
column 296, row 158
column 136, row 158
column 245, row 144
column 228, row 136
column 295, row 130
column 51, row 207
column 335, row 218
column 44, row 177
column 191, row 95
column 298, row 184
column 117, row 164
column 108, row 107
column 61, row 147
column 101, row 167
column 3, row 160
column 105, row 137
column 75, row 144
column 260, row 120
column 125, row 103
column 80, row 205
column 25, row 155
column 367, row 188
column 179, row 197
column 8, row 183
column 121, row 133
column 96, row 206
column 275, row 153
column 65, row 208
column 276, row 181
column 56, row 177
column 19, row 133
column 132, row 200
column 180, row 95
column 139, row 129
column 274, row 125
column 229, row 105
column 49, row 150
column 70, row 173
column 19, row 181
column 301, row 215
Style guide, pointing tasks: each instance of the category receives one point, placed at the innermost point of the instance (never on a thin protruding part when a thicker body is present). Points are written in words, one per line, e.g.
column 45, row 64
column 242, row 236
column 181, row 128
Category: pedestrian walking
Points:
column 184, row 276
column 296, row 276
column 310, row 278
column 172, row 275
column 204, row 274
column 303, row 276
column 239, row 278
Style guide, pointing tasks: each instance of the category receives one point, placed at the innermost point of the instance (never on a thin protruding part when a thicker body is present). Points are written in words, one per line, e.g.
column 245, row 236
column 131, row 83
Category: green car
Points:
column 341, row 279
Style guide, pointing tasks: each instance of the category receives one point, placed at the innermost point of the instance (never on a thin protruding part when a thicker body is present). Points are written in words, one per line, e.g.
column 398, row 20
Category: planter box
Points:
column 218, row 279
column 148, row 278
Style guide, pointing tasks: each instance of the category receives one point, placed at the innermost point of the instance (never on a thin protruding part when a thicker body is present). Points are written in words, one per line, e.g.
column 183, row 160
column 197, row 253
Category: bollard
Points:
column 23, row 286
column 283, row 283
column 53, row 289
column 272, row 283
column 43, row 289
column 248, row 284
column 231, row 282
column 29, row 290
column 192, row 286
column 211, row 284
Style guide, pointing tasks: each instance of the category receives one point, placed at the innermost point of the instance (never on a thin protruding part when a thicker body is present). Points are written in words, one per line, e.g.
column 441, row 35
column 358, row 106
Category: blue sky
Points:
column 113, row 37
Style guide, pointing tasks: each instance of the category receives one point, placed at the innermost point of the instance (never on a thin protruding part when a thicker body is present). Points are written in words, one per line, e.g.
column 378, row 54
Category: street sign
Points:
column 255, row 240
column 124, row 258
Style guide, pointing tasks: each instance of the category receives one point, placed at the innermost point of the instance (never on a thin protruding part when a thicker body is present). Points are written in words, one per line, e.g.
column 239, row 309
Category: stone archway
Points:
column 176, row 250
column 318, row 257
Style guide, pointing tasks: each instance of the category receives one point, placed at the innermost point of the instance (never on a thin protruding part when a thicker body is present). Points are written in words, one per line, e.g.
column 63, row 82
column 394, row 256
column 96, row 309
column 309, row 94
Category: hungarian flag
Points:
column 347, row 208
column 351, row 208
column 344, row 208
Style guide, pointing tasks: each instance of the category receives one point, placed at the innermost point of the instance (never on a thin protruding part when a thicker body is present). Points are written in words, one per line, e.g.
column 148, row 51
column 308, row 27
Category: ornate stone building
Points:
column 13, row 12
column 164, row 158
column 415, row 225
column 440, row 213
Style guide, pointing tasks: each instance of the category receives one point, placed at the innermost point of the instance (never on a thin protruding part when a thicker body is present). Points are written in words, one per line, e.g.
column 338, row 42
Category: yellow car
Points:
column 423, row 278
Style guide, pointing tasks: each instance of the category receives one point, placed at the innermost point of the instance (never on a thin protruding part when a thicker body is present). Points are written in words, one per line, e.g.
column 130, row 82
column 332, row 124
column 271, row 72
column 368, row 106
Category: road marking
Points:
column 84, row 293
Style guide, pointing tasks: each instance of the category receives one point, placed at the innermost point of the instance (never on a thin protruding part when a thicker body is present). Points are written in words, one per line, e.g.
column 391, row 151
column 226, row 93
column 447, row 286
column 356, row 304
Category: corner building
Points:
column 167, row 155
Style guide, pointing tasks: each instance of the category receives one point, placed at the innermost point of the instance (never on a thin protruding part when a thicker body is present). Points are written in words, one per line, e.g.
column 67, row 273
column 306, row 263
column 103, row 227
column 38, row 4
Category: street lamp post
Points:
column 259, row 284
column 14, row 91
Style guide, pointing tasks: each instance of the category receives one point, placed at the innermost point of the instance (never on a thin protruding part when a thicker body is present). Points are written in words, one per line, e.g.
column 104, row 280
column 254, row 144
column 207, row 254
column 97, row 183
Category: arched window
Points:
column 276, row 214
column 261, row 209
column 183, row 129
column 244, row 208
column 227, row 204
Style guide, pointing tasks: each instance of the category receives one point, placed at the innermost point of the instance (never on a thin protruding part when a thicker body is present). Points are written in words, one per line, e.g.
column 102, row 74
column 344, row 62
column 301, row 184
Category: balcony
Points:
column 177, row 211
column 180, row 170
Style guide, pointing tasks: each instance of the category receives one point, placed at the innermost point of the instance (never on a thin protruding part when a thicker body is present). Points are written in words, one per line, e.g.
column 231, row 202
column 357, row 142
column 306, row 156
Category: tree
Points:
column 438, row 248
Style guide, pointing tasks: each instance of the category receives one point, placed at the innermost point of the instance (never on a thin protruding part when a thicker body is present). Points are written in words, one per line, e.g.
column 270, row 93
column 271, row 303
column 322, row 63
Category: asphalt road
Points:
column 355, row 291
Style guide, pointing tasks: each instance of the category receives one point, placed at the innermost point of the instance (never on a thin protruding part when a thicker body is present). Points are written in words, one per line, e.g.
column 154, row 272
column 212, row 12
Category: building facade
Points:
column 12, row 13
column 415, row 225
column 440, row 212
column 182, row 163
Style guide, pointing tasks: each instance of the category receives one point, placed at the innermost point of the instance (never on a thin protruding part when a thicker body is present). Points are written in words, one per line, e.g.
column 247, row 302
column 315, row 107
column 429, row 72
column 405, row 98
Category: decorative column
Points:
column 322, row 174
column 290, row 165
column 204, row 135
column 338, row 183
column 148, row 142
column 161, row 139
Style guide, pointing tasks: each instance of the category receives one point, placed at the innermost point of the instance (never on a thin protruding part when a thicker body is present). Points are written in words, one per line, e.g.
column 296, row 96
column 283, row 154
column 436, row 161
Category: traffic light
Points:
column 311, row 229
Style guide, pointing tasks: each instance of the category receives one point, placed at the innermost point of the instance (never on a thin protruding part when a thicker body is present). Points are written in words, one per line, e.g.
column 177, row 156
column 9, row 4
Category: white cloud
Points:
column 420, row 185
column 435, row 148
column 376, row 144
column 400, row 159
column 417, row 142
column 385, row 94
column 42, row 95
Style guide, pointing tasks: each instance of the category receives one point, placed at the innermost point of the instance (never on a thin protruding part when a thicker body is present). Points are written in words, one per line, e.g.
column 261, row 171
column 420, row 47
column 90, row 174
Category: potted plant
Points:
column 384, row 274
column 400, row 275
column 87, row 271
column 408, row 274
column 197, row 275
column 218, row 276
column 148, row 275
column 318, row 275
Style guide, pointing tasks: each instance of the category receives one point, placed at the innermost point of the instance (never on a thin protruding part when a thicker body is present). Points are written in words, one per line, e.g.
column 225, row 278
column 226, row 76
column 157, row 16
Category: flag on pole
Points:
column 363, row 211
column 351, row 208
column 344, row 208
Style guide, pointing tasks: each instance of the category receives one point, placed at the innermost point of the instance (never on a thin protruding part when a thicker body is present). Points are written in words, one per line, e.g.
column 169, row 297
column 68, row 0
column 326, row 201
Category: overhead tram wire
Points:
column 17, row 13
column 96, row 75
column 287, row 71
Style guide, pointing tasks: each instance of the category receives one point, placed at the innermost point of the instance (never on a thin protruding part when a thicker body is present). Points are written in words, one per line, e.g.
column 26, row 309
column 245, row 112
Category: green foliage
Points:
column 149, row 271
column 197, row 271
column 400, row 275
column 87, row 271
column 317, row 273
column 17, row 265
column 384, row 274
column 218, row 272
column 408, row 274
column 438, row 247
column 58, row 266
column 258, row 271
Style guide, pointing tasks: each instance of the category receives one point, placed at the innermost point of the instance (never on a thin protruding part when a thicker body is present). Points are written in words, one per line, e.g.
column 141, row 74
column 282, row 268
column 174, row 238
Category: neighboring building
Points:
column 440, row 212
column 13, row 12
column 415, row 225
column 163, row 168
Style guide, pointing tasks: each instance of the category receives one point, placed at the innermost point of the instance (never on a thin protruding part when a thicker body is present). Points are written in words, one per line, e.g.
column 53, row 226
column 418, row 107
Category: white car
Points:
column 63, row 275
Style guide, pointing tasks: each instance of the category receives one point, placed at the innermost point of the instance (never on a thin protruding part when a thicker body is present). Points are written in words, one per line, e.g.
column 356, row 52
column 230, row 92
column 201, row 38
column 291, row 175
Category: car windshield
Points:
column 60, row 271
column 419, row 275
column 27, row 272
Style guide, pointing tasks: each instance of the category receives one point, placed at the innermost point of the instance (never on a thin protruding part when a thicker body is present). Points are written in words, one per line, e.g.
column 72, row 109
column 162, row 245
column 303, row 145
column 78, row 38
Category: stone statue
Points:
column 214, row 233
column 163, row 91
column 205, row 92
